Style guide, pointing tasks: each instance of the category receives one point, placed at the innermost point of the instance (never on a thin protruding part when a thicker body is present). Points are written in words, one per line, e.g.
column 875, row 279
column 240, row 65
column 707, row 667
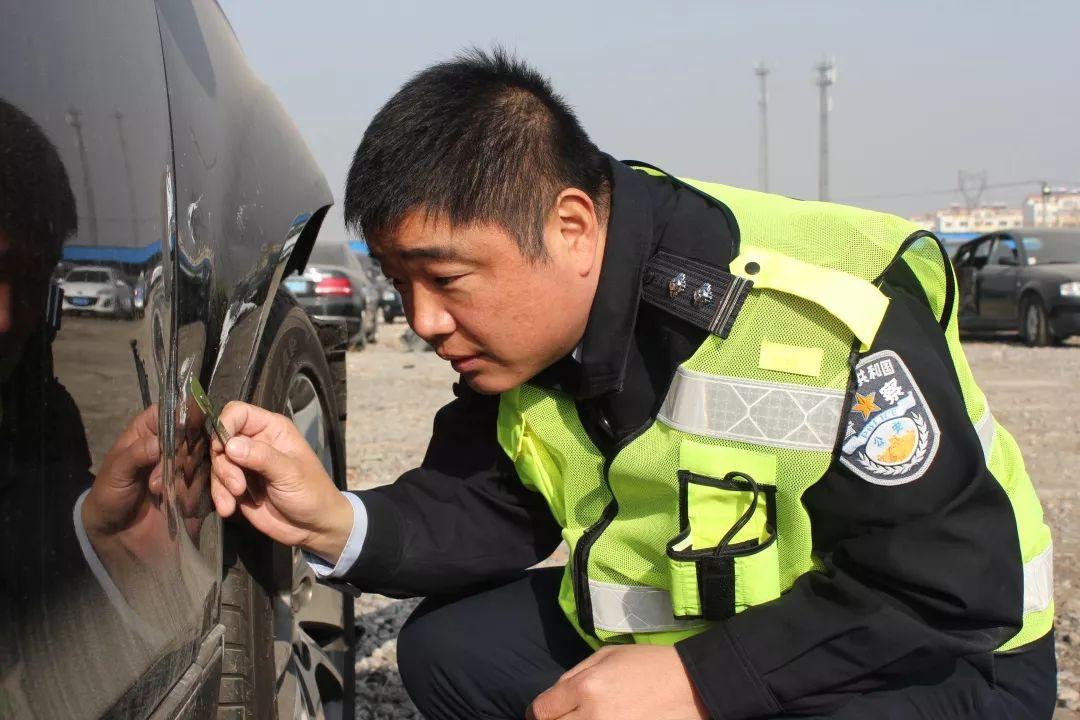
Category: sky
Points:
column 923, row 89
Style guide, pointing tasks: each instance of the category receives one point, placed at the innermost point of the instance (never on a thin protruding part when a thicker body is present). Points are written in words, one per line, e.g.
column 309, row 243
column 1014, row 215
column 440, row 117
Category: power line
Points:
column 949, row 191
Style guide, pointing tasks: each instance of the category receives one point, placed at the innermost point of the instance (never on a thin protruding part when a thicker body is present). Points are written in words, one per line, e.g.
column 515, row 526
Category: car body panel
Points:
column 182, row 171
column 88, row 631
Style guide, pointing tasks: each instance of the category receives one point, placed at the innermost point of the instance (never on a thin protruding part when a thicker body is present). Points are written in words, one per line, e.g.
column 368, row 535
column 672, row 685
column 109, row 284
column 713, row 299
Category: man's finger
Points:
column 258, row 456
column 554, row 703
column 143, row 425
column 240, row 418
column 224, row 502
column 229, row 475
column 122, row 465
column 583, row 665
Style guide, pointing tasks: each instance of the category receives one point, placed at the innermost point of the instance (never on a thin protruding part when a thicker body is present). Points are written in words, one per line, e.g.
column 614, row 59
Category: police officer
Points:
column 749, row 417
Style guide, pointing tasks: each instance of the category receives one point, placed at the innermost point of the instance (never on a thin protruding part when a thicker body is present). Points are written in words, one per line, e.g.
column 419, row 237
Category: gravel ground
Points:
column 393, row 393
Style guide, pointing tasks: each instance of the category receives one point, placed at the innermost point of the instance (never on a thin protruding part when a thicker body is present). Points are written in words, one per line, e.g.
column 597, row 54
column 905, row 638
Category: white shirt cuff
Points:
column 353, row 546
column 105, row 581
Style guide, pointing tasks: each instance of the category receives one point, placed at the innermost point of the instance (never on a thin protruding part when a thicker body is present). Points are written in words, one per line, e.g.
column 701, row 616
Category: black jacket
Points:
column 916, row 575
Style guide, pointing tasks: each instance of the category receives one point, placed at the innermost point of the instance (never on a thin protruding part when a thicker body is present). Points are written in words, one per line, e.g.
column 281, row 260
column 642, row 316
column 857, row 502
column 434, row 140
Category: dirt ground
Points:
column 1034, row 393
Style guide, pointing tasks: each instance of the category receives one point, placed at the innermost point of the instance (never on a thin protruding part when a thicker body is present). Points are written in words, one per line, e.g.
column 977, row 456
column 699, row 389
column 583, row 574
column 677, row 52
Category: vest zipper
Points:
column 580, row 569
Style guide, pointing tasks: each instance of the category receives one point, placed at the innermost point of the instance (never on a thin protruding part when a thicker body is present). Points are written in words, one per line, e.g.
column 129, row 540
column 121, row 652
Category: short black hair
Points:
column 36, row 203
column 480, row 138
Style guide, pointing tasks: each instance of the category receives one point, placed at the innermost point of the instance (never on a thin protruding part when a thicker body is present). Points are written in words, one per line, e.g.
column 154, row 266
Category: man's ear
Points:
column 577, row 230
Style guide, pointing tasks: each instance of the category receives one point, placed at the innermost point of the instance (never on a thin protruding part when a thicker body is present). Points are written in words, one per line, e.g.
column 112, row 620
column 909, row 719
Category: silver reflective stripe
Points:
column 633, row 609
column 776, row 414
column 985, row 429
column 1039, row 581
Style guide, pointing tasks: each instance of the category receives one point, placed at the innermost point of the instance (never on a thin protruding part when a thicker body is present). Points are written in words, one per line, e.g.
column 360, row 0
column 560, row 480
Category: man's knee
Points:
column 442, row 665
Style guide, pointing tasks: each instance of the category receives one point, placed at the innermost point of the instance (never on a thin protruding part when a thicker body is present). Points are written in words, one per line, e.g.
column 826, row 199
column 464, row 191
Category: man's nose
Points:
column 427, row 316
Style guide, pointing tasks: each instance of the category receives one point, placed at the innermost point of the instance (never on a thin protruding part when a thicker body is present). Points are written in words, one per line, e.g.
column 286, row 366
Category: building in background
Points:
column 974, row 221
column 1058, row 208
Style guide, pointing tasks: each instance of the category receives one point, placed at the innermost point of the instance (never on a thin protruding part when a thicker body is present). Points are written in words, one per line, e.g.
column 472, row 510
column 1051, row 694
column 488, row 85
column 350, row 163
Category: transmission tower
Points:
column 763, row 148
column 826, row 77
column 972, row 185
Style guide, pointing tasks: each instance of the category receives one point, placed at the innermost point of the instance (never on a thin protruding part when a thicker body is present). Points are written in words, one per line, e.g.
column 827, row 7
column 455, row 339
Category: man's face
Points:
column 497, row 316
column 24, row 287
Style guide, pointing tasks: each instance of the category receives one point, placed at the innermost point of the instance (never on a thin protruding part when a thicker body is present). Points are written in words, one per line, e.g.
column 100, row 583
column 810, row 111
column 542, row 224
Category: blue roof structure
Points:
column 109, row 253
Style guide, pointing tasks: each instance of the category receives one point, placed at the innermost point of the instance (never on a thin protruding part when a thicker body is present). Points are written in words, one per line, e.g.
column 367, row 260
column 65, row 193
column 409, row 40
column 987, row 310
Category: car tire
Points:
column 387, row 316
column 1034, row 325
column 283, row 659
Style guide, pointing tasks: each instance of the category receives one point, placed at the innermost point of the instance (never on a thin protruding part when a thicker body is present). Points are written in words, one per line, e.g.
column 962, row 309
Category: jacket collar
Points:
column 610, row 329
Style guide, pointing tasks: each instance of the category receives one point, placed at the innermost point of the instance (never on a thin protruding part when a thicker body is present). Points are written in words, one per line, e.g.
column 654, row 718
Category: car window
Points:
column 1003, row 247
column 1050, row 249
column 76, row 276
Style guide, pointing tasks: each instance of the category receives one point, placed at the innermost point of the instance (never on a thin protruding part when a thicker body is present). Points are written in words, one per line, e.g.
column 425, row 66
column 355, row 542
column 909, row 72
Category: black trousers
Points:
column 486, row 656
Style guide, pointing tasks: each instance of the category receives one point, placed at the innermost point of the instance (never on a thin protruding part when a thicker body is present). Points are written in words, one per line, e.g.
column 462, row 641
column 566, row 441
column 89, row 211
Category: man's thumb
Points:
column 257, row 456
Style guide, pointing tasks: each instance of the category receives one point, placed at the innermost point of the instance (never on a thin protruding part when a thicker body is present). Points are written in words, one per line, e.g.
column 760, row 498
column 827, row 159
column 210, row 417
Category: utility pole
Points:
column 763, row 149
column 74, row 119
column 1046, row 193
column 826, row 77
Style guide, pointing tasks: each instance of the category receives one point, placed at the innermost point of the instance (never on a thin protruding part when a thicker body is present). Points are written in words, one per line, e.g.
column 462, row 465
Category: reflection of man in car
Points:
column 98, row 535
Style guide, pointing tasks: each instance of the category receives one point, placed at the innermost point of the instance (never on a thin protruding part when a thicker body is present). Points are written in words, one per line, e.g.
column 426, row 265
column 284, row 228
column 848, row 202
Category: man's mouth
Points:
column 463, row 363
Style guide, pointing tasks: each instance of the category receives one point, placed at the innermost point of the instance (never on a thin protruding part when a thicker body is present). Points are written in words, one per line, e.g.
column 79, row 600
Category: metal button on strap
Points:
column 676, row 285
column 703, row 295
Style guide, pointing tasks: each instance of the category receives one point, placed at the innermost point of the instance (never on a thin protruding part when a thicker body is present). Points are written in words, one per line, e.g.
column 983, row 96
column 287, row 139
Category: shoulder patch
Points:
column 891, row 436
column 697, row 292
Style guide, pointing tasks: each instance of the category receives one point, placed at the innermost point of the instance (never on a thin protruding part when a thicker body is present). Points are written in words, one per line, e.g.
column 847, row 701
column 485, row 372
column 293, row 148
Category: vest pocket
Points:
column 724, row 558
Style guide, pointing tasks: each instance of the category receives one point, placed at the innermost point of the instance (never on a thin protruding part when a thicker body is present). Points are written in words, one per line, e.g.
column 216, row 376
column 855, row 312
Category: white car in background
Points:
column 98, row 291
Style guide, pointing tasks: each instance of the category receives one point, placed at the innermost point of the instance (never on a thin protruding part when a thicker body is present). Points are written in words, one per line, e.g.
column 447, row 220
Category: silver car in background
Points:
column 99, row 291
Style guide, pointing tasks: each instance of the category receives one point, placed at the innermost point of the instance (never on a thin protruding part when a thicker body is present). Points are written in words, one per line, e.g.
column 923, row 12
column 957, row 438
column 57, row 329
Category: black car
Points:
column 335, row 287
column 135, row 137
column 1025, row 280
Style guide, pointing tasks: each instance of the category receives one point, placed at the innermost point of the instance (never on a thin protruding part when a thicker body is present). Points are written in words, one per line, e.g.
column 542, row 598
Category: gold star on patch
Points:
column 865, row 404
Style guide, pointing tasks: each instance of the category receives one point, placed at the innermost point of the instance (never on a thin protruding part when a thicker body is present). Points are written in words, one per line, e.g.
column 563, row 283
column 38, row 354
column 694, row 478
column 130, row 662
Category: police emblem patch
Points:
column 891, row 436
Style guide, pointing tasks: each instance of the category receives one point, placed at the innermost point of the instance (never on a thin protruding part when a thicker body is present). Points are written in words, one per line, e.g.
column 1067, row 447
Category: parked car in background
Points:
column 1025, row 280
column 136, row 141
column 389, row 297
column 335, row 286
column 94, row 290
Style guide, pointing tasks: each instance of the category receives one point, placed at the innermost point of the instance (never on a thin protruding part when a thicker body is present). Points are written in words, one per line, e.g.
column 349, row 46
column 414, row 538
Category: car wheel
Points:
column 1035, row 328
column 290, row 647
column 387, row 316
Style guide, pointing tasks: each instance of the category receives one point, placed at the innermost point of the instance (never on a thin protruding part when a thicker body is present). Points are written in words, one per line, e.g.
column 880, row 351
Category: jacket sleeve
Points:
column 916, row 573
column 459, row 520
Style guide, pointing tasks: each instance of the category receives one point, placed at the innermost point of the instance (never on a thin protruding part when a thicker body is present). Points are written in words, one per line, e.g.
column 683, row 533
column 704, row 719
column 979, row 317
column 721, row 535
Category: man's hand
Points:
column 272, row 475
column 626, row 682
column 128, row 486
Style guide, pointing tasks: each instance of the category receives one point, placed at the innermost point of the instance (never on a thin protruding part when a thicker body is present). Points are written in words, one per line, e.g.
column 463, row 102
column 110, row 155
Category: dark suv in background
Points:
column 135, row 139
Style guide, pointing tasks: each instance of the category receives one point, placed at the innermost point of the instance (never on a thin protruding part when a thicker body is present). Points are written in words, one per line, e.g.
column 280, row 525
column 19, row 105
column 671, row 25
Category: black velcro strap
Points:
column 716, row 586
column 701, row 294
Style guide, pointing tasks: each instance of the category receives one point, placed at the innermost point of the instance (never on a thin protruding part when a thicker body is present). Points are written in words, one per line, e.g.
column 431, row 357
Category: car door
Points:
column 100, row 612
column 970, row 260
column 997, row 284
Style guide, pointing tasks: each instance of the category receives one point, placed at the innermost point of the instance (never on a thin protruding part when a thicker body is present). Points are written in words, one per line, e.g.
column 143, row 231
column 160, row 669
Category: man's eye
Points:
column 444, row 280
